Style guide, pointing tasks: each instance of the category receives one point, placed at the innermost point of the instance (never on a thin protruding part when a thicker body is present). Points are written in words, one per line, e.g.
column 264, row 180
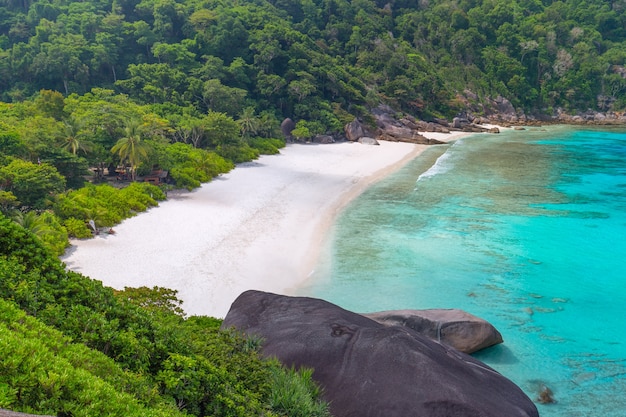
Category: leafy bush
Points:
column 107, row 205
column 53, row 234
column 267, row 146
column 238, row 153
column 77, row 228
column 10, row 142
column 31, row 183
column 46, row 227
column 188, row 177
column 291, row 394
column 189, row 167
column 43, row 371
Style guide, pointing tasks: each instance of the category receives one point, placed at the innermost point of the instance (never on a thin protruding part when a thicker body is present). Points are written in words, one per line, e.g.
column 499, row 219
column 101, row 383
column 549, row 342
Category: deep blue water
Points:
column 526, row 229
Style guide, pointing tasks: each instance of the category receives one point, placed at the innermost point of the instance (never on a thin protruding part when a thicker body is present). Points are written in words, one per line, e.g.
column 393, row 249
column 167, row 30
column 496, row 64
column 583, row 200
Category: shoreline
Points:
column 262, row 226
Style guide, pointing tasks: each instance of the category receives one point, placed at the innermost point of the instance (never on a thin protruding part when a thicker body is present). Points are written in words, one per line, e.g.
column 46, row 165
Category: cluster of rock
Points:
column 590, row 117
column 387, row 124
column 394, row 127
column 501, row 111
column 370, row 369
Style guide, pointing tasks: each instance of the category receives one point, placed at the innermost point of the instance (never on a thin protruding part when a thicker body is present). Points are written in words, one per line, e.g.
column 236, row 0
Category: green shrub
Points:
column 77, row 228
column 189, row 167
column 107, row 205
column 45, row 227
column 42, row 371
column 294, row 393
column 267, row 146
column 53, row 234
column 188, row 177
column 238, row 153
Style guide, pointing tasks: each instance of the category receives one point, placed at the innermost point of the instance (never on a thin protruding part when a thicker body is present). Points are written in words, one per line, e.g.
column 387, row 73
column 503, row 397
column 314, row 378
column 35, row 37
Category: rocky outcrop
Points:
column 394, row 127
column 367, row 369
column 453, row 327
column 403, row 129
column 500, row 111
column 590, row 117
column 466, row 122
column 405, row 134
column 355, row 130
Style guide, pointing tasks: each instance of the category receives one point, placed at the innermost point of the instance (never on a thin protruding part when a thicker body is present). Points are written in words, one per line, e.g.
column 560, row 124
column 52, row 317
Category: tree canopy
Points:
column 298, row 57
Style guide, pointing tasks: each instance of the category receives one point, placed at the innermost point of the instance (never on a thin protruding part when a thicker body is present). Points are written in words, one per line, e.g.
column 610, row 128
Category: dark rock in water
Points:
column 456, row 328
column 367, row 369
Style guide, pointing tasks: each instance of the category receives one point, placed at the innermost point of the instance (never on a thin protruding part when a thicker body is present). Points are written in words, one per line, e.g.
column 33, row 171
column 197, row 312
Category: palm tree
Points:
column 31, row 221
column 73, row 137
column 131, row 148
column 248, row 122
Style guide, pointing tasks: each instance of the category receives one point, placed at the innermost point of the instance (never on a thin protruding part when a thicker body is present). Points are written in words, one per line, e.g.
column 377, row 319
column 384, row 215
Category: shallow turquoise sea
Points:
column 526, row 229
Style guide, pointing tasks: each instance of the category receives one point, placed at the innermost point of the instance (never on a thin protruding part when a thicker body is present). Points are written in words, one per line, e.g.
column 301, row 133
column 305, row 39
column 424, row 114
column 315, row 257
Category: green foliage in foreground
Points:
column 42, row 371
column 70, row 346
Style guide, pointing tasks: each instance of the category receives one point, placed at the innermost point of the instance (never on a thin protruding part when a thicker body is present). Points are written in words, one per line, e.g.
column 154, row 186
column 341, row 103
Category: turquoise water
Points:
column 526, row 229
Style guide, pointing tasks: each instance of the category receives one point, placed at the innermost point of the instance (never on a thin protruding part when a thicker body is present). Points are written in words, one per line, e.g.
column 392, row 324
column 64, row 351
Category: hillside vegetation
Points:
column 317, row 59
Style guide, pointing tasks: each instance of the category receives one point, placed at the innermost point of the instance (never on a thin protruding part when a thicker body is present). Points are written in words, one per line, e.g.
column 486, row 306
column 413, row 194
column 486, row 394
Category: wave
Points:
column 441, row 165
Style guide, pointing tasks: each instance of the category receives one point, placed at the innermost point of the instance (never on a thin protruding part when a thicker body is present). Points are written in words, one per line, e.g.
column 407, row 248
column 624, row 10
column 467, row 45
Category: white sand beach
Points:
column 261, row 226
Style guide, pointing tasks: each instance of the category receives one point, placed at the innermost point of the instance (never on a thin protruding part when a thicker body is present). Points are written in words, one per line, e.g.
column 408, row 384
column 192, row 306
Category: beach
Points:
column 260, row 226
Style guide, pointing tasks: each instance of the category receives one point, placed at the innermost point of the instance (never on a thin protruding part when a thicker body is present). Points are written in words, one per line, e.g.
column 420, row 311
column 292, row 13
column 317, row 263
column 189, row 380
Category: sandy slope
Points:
column 257, row 227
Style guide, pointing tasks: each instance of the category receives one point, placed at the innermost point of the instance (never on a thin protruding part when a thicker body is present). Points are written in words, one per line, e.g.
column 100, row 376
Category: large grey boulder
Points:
column 286, row 127
column 456, row 328
column 404, row 134
column 367, row 369
column 355, row 130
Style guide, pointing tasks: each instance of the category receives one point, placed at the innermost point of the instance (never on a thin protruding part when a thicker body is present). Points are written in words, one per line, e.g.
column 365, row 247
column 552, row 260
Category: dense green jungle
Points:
column 107, row 105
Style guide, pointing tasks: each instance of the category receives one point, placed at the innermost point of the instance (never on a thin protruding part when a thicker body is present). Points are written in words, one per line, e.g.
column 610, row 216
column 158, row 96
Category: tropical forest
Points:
column 106, row 106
